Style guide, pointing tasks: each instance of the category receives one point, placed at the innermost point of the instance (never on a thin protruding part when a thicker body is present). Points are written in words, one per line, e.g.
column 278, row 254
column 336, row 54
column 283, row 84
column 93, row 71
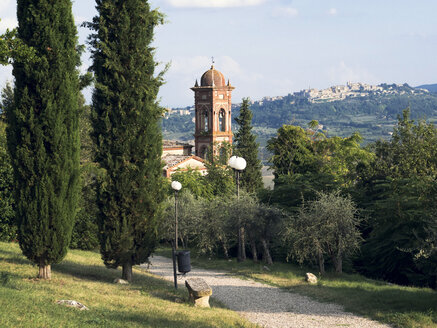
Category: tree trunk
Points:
column 266, row 253
column 338, row 263
column 225, row 250
column 254, row 253
column 45, row 271
column 127, row 271
column 337, row 259
column 241, row 245
column 321, row 261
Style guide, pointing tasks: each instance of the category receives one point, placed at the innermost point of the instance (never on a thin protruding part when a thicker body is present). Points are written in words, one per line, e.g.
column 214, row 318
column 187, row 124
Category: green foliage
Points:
column 305, row 161
column 292, row 151
column 12, row 48
column 220, row 177
column 203, row 223
column 43, row 137
column 195, row 182
column 148, row 302
column 127, row 134
column 210, row 226
column 398, row 306
column 326, row 226
column 189, row 211
column 8, row 230
column 398, row 188
column 85, row 230
column 245, row 146
column 373, row 116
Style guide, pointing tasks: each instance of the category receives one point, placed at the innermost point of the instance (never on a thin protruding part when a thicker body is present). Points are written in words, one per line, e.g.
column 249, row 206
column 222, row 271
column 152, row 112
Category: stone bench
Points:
column 199, row 291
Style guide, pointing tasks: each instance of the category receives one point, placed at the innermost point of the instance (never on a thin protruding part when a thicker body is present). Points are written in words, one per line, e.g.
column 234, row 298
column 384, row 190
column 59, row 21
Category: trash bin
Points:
column 184, row 264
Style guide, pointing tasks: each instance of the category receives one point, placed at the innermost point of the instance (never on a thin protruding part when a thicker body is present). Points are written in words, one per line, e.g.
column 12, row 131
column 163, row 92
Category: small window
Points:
column 203, row 97
column 223, row 155
column 203, row 152
column 222, row 120
column 221, row 96
column 205, row 120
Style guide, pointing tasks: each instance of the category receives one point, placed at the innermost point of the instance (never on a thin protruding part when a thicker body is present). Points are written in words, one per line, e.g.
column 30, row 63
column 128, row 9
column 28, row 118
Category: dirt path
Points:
column 266, row 305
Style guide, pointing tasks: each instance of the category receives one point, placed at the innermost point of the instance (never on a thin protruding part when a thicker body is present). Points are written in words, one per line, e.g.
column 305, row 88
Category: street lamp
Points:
column 176, row 186
column 238, row 164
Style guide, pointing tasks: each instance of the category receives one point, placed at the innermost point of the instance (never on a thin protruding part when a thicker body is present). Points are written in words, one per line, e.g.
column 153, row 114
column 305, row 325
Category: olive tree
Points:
column 327, row 226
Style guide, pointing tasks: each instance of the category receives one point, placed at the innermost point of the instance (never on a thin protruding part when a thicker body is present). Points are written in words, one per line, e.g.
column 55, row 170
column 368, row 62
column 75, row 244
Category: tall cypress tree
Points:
column 127, row 131
column 247, row 147
column 43, row 135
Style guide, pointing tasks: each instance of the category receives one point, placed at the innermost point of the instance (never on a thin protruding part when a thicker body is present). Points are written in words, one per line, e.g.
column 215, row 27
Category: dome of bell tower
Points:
column 212, row 77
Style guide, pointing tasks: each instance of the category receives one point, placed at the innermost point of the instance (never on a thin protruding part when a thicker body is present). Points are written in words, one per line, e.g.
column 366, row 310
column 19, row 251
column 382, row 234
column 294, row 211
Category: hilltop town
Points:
column 350, row 90
column 334, row 93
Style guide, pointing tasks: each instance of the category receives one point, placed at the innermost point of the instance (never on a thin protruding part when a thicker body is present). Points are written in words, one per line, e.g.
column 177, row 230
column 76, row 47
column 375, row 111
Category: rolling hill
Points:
column 370, row 110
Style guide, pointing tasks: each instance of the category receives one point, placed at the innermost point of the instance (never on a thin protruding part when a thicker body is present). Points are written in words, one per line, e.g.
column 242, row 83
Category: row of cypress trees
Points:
column 43, row 134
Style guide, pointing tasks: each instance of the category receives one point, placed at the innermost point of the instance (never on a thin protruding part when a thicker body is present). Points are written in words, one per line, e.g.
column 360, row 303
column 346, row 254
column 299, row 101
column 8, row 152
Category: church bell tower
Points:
column 212, row 111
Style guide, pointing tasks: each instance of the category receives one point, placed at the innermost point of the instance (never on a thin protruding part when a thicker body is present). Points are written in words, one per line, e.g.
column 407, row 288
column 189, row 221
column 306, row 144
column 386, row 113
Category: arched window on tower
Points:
column 223, row 155
column 203, row 152
column 205, row 120
column 222, row 120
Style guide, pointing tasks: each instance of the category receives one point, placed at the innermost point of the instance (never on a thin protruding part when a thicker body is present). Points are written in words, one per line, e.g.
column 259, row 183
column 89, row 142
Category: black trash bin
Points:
column 184, row 264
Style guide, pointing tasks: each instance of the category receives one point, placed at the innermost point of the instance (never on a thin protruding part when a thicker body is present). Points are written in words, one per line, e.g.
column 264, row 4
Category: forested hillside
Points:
column 373, row 115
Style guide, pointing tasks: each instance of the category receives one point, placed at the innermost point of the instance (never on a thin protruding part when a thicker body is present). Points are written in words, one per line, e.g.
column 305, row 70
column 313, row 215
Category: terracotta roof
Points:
column 172, row 160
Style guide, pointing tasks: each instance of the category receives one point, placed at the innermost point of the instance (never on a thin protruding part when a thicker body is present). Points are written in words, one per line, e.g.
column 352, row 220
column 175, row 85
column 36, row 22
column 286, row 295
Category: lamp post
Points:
column 176, row 186
column 238, row 164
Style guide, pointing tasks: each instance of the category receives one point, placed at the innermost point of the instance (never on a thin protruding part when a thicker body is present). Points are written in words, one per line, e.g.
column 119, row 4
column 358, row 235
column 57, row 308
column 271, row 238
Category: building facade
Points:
column 213, row 104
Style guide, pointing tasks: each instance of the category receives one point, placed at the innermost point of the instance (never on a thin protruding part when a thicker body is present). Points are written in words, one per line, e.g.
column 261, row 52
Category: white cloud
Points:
column 194, row 67
column 4, row 5
column 8, row 23
column 189, row 66
column 78, row 20
column 286, row 12
column 332, row 11
column 185, row 70
column 342, row 73
column 214, row 3
column 5, row 75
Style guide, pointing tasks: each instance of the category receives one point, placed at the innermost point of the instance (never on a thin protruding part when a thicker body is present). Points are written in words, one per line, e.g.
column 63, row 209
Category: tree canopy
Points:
column 126, row 131
column 43, row 135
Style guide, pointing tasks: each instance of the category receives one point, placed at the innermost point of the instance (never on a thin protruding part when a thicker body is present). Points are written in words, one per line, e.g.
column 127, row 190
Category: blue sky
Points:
column 276, row 47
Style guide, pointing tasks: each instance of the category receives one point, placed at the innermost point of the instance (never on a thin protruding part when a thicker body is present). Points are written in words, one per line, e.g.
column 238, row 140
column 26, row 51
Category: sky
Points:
column 277, row 47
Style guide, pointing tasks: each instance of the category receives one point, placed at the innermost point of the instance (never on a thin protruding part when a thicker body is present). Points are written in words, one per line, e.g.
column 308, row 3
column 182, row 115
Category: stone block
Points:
column 199, row 291
column 311, row 278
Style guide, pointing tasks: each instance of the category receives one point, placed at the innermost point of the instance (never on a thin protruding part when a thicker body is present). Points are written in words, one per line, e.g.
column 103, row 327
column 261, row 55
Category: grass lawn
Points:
column 388, row 303
column 148, row 302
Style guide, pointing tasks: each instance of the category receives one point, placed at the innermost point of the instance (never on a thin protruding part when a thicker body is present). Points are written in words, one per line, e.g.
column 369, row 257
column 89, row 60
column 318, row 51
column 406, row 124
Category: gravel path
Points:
column 263, row 304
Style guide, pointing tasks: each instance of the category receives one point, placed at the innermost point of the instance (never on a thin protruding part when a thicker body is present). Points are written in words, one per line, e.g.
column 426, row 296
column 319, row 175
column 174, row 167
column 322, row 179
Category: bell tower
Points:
column 212, row 111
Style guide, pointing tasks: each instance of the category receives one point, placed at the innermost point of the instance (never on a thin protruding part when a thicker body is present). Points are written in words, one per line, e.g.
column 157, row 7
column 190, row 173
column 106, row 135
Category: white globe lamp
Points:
column 176, row 185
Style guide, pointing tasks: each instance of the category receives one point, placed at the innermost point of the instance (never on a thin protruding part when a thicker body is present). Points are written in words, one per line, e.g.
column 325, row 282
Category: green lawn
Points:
column 149, row 302
column 388, row 303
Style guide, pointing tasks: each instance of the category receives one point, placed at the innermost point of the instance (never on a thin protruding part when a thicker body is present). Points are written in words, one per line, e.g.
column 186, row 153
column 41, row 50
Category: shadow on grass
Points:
column 156, row 287
column 87, row 271
column 158, row 319
column 385, row 299
column 17, row 260
column 98, row 273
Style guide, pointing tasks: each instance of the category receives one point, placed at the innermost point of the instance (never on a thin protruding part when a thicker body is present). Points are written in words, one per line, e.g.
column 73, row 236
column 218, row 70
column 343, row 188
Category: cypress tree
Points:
column 127, row 131
column 247, row 147
column 43, row 135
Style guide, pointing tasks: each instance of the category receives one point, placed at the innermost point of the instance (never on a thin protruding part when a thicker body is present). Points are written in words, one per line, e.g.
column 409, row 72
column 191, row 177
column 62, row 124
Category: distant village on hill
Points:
column 334, row 93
